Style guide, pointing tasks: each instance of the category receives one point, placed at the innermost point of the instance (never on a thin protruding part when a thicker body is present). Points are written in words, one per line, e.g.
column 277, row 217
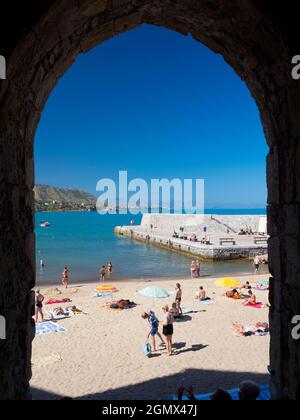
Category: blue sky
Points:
column 159, row 105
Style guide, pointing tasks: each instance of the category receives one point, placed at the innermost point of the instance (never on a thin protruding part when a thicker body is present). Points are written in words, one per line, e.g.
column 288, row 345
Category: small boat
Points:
column 45, row 224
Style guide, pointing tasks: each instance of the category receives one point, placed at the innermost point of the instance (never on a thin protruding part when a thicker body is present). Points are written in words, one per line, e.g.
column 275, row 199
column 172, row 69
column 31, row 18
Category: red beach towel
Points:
column 257, row 305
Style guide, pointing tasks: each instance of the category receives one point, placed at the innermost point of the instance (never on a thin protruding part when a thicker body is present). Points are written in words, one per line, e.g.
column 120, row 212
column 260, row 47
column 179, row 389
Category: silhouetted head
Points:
column 249, row 391
column 221, row 395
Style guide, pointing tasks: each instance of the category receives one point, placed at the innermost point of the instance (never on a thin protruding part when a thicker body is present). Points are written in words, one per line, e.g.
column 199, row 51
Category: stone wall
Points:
column 257, row 38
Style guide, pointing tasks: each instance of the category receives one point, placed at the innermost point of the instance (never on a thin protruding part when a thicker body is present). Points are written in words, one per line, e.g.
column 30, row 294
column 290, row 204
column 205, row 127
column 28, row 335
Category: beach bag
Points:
column 147, row 349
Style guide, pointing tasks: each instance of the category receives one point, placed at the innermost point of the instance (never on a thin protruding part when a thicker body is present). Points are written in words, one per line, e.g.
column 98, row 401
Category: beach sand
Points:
column 100, row 355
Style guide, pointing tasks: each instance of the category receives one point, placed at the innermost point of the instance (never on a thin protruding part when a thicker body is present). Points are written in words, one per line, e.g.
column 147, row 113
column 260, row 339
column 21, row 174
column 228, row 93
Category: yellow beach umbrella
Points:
column 227, row 282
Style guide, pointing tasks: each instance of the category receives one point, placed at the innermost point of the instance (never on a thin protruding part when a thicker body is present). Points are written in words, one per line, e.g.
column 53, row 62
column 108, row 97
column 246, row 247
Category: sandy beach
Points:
column 100, row 355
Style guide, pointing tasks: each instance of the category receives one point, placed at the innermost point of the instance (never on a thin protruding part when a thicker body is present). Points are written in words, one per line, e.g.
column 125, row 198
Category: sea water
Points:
column 85, row 241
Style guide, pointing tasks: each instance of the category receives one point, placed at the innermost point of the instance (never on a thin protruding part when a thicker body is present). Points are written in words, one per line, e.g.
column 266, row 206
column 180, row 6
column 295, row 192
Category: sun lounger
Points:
column 264, row 395
column 48, row 328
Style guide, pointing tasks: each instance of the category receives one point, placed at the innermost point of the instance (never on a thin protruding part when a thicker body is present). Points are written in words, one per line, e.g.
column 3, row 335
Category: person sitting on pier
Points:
column 193, row 238
column 205, row 240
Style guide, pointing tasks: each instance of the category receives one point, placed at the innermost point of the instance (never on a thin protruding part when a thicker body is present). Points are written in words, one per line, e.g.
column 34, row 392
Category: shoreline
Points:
column 125, row 280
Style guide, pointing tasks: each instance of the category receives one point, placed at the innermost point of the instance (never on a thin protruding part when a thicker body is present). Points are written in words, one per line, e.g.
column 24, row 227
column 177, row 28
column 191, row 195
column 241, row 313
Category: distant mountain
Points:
column 62, row 199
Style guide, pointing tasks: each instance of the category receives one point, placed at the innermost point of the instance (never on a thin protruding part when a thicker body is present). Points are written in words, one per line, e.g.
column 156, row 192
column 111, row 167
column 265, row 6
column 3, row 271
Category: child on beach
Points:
column 154, row 325
column 102, row 273
column 65, row 277
column 39, row 299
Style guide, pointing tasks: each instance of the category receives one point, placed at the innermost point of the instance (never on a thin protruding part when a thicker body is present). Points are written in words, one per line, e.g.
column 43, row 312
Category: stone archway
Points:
column 254, row 38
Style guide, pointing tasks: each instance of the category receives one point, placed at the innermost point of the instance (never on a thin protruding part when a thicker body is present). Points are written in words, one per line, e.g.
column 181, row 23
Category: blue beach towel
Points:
column 48, row 328
column 264, row 395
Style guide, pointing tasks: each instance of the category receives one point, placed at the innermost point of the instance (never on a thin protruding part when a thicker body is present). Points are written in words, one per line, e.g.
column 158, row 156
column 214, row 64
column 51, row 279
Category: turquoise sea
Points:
column 85, row 241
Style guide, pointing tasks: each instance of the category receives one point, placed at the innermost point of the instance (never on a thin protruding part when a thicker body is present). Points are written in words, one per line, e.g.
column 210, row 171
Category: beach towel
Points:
column 48, row 328
column 103, row 295
column 261, row 288
column 257, row 305
column 147, row 349
column 264, row 395
column 206, row 302
column 54, row 301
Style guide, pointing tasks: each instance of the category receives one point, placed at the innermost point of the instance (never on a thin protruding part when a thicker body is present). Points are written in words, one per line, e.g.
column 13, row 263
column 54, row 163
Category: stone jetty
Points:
column 223, row 232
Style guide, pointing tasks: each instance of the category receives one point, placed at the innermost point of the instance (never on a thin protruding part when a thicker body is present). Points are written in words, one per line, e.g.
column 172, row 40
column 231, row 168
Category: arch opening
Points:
column 47, row 52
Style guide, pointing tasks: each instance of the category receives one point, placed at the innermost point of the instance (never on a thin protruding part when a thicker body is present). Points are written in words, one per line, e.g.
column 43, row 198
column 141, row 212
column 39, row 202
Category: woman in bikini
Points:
column 251, row 300
column 39, row 299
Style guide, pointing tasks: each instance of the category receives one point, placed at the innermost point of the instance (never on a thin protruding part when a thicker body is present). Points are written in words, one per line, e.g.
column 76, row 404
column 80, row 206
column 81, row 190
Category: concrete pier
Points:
column 158, row 230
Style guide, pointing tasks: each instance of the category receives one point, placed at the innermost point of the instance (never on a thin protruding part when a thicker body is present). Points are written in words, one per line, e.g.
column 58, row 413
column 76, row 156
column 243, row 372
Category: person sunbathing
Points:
column 233, row 294
column 201, row 295
column 58, row 311
column 242, row 330
column 121, row 304
column 251, row 300
column 74, row 309
column 261, row 328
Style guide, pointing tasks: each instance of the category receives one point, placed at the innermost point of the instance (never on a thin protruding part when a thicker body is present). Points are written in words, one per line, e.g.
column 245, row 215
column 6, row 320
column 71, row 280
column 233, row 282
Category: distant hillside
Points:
column 62, row 199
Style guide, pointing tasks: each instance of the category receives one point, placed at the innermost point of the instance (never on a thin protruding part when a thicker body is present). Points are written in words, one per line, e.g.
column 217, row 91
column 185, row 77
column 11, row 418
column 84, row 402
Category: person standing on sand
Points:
column 168, row 329
column 178, row 298
column 193, row 269
column 256, row 264
column 65, row 277
column 154, row 325
column 102, row 273
column 39, row 299
column 198, row 268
